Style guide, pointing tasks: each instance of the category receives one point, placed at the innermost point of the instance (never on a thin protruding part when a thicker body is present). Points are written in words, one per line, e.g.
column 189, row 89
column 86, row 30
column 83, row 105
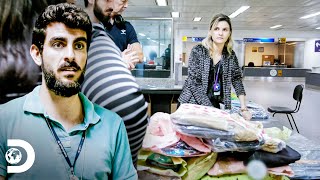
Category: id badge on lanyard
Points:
column 216, row 85
column 216, row 89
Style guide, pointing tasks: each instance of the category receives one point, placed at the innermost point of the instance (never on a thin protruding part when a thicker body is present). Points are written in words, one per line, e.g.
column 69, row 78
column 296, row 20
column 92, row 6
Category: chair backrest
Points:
column 251, row 64
column 297, row 95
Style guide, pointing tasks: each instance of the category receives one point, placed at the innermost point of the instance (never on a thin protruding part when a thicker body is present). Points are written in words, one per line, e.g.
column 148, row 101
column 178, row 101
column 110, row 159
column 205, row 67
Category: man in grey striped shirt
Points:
column 108, row 82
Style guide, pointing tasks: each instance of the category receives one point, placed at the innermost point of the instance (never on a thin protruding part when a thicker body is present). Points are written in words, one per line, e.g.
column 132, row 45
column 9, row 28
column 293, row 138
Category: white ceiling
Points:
column 260, row 16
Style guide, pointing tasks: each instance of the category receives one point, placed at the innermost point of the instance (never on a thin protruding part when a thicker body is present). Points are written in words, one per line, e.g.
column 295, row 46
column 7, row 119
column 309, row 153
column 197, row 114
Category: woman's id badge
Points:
column 216, row 89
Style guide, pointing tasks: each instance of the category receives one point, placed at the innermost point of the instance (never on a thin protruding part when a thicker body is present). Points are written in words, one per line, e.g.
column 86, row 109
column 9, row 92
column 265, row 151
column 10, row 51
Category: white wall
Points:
column 310, row 36
column 311, row 58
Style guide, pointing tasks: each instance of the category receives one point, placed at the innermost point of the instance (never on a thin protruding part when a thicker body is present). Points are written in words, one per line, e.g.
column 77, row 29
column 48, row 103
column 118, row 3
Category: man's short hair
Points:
column 68, row 14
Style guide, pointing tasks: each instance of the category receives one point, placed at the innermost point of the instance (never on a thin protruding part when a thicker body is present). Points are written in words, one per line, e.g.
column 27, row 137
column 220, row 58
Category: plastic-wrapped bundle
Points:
column 203, row 132
column 218, row 145
column 176, row 166
column 202, row 116
column 162, row 161
column 210, row 117
column 180, row 149
column 257, row 111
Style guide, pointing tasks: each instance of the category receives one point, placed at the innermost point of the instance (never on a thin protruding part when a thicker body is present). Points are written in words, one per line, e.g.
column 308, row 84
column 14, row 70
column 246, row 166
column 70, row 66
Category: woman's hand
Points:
column 246, row 114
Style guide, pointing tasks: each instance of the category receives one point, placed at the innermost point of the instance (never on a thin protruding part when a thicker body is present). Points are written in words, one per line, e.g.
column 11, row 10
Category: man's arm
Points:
column 130, row 57
column 2, row 178
column 137, row 47
column 133, row 41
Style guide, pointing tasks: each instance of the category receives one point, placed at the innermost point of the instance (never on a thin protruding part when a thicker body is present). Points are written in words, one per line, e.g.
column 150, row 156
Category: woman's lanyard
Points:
column 216, row 85
column 64, row 152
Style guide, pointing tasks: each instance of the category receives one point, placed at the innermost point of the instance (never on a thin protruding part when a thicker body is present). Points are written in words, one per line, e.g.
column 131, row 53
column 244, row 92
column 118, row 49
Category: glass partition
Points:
column 155, row 37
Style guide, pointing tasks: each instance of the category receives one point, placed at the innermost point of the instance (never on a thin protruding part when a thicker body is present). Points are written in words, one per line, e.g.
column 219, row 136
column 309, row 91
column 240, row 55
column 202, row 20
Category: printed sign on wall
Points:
column 317, row 46
column 282, row 40
column 253, row 40
column 184, row 38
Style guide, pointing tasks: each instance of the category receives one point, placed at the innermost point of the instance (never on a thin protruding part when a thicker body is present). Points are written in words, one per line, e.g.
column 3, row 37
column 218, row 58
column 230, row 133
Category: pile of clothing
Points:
column 257, row 111
column 204, row 142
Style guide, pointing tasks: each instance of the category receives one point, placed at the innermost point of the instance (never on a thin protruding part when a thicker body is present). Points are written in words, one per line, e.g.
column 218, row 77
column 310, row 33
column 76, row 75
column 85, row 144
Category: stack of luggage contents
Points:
column 258, row 112
column 200, row 142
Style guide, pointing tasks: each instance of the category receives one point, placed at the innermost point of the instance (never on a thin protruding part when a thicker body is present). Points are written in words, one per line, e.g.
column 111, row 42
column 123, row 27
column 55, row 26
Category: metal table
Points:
column 160, row 93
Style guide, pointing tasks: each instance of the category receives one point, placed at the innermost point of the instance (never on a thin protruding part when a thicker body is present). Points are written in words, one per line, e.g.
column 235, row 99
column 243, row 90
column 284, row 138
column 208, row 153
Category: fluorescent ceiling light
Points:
column 318, row 28
column 141, row 34
column 161, row 44
column 276, row 26
column 162, row 2
column 310, row 15
column 175, row 14
column 239, row 11
column 197, row 19
column 148, row 38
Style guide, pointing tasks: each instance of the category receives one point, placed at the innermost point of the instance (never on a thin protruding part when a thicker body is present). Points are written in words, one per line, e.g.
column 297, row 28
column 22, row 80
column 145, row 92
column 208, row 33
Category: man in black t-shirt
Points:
column 124, row 35
column 167, row 55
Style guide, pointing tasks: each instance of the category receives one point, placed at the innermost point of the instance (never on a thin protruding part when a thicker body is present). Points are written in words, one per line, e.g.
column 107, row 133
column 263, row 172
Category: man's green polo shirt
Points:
column 105, row 153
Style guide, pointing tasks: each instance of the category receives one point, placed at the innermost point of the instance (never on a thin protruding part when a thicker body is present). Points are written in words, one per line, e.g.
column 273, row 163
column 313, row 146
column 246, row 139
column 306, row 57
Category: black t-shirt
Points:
column 123, row 35
column 215, row 99
column 167, row 54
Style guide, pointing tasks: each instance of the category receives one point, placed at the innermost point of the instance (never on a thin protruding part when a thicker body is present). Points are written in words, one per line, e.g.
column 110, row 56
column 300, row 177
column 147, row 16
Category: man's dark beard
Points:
column 60, row 88
column 100, row 16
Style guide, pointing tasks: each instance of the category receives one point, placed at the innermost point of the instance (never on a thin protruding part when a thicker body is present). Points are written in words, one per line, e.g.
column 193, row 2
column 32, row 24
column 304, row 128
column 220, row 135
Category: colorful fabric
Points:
column 144, row 166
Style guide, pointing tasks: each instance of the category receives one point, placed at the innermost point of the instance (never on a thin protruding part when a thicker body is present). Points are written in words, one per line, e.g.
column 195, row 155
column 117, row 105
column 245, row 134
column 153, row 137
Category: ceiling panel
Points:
column 260, row 16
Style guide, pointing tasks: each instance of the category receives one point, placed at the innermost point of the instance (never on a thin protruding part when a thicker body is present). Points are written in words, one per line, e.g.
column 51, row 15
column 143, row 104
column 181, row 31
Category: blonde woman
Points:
column 214, row 68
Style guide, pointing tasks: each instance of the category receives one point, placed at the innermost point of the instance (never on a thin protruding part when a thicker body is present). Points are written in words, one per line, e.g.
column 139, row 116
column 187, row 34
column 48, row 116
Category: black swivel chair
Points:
column 297, row 95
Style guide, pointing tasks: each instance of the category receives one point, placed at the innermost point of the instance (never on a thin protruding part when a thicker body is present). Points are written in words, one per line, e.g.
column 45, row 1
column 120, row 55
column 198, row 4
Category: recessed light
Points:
column 197, row 19
column 175, row 14
column 318, row 28
column 162, row 2
column 310, row 15
column 276, row 26
column 239, row 11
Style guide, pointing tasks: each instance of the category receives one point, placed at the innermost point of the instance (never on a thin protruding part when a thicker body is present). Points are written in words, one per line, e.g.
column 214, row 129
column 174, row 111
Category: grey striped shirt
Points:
column 110, row 84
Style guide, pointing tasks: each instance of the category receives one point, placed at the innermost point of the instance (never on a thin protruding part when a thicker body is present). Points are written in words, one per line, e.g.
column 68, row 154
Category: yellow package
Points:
column 243, row 177
column 199, row 166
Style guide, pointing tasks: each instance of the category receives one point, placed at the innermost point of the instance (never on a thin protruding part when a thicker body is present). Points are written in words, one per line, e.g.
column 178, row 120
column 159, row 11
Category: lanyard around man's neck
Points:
column 64, row 152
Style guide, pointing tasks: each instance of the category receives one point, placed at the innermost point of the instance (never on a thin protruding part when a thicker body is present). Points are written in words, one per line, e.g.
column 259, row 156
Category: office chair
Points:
column 251, row 64
column 297, row 95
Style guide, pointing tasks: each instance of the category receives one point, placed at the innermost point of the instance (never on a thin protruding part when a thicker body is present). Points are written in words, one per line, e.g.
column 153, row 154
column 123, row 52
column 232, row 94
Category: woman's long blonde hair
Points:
column 208, row 42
